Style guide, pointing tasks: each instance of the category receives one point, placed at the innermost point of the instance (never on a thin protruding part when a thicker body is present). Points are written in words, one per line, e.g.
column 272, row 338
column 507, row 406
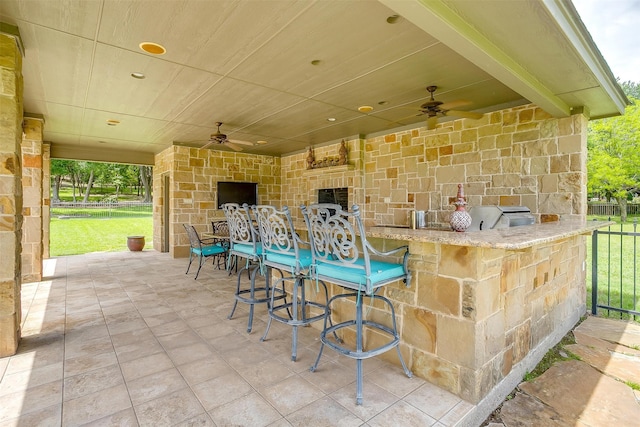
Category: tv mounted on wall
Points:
column 237, row 192
column 339, row 196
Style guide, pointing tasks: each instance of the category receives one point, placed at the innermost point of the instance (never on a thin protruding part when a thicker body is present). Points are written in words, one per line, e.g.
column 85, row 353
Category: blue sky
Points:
column 614, row 25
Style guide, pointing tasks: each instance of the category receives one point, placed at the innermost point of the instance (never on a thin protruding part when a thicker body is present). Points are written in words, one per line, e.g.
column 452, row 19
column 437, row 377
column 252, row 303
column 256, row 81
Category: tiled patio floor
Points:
column 128, row 339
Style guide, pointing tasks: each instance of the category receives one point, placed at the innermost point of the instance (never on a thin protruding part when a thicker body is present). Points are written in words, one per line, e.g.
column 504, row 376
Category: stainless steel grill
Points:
column 494, row 217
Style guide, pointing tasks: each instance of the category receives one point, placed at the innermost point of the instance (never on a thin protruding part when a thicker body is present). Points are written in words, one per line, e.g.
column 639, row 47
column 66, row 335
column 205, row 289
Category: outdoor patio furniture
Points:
column 342, row 255
column 283, row 249
column 201, row 248
column 220, row 235
column 245, row 243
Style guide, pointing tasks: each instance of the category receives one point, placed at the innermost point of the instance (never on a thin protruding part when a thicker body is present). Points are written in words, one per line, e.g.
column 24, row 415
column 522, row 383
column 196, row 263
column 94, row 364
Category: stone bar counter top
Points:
column 513, row 238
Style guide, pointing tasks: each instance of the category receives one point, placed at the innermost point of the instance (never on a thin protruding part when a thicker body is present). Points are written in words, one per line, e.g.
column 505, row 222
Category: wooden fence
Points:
column 612, row 209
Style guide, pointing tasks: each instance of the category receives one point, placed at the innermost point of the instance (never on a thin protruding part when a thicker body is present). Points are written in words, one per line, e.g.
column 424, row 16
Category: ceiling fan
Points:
column 434, row 109
column 221, row 138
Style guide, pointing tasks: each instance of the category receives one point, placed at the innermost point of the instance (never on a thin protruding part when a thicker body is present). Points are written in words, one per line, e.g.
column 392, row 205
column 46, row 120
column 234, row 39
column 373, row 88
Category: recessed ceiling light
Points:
column 152, row 48
column 365, row 108
column 261, row 142
column 138, row 75
column 393, row 19
column 112, row 122
column 102, row 142
column 315, row 62
column 383, row 102
column 331, row 119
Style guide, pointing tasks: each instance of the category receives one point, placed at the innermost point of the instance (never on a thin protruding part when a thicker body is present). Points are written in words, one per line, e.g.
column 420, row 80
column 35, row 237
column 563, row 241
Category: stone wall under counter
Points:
column 475, row 315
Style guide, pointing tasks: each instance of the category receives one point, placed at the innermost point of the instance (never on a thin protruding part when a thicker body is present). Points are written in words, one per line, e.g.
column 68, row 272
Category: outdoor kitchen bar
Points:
column 482, row 302
column 483, row 306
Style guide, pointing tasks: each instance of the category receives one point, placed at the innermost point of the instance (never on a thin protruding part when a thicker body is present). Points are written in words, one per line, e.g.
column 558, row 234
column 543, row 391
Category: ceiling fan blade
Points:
column 235, row 141
column 207, row 144
column 454, row 104
column 232, row 145
column 432, row 122
column 464, row 114
column 418, row 114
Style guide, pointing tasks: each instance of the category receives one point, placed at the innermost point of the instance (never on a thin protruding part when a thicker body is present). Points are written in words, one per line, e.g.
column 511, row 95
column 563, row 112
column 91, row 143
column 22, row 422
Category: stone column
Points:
column 46, row 199
column 32, row 189
column 10, row 192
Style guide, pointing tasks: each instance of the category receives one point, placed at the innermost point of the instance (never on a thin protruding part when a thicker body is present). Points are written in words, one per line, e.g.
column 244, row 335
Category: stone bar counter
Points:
column 483, row 307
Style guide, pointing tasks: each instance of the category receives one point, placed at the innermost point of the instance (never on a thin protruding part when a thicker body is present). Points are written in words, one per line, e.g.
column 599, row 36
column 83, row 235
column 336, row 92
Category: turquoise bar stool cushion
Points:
column 289, row 259
column 380, row 271
column 247, row 249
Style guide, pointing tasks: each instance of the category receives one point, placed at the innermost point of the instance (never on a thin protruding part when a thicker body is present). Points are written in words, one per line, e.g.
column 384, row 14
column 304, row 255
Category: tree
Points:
column 614, row 153
column 59, row 170
column 146, row 175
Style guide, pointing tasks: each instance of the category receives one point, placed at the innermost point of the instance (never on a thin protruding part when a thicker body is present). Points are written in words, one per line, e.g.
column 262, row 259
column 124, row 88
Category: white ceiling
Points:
column 248, row 64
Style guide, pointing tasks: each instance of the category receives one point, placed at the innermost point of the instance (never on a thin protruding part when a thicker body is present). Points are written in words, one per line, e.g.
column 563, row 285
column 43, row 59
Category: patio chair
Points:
column 283, row 249
column 342, row 255
column 202, row 249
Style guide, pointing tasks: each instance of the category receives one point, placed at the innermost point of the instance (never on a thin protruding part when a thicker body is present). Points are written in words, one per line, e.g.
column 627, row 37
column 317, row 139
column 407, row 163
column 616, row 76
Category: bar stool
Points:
column 281, row 249
column 342, row 255
column 244, row 242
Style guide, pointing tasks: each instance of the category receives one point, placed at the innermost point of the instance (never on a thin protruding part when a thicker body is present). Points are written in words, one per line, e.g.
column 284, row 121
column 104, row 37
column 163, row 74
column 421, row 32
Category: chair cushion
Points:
column 380, row 271
column 289, row 258
column 209, row 250
column 247, row 249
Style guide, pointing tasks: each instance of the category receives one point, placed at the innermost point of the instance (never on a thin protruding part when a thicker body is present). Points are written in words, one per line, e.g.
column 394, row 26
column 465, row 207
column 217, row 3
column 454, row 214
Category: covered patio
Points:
column 127, row 338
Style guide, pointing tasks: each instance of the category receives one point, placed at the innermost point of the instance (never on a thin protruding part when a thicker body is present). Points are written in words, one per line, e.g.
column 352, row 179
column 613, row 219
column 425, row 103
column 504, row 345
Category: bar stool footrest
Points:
column 354, row 354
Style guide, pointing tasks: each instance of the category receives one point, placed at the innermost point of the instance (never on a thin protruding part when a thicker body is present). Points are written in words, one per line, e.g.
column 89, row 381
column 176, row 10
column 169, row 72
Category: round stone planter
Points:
column 135, row 243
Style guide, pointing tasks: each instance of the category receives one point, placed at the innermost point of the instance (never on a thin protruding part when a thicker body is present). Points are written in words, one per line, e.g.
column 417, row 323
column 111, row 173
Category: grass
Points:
column 618, row 267
column 555, row 354
column 83, row 235
column 98, row 194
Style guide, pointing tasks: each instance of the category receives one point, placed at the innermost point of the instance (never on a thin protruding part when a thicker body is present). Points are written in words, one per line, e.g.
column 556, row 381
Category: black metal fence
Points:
column 100, row 209
column 614, row 271
column 611, row 209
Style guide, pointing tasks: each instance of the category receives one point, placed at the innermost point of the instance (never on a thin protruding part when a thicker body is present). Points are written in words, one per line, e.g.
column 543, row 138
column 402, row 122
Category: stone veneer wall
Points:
column 11, row 109
column 474, row 314
column 518, row 156
column 46, row 199
column 301, row 185
column 32, row 208
column 193, row 175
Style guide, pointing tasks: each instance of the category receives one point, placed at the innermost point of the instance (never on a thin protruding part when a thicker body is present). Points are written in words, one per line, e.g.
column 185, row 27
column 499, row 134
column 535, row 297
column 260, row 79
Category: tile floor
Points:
column 127, row 339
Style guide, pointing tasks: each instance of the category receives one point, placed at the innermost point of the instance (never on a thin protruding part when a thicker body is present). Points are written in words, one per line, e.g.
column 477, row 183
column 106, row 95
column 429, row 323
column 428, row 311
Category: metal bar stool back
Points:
column 283, row 249
column 342, row 255
column 244, row 243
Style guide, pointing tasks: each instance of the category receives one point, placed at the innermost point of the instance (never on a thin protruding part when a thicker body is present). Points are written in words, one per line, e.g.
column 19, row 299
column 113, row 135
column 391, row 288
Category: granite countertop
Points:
column 513, row 238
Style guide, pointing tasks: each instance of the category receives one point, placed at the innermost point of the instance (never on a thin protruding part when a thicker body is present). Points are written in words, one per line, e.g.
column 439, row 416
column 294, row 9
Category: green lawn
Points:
column 618, row 266
column 75, row 236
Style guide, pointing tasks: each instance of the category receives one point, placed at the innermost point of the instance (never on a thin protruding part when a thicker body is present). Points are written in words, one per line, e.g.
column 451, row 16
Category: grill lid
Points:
column 492, row 217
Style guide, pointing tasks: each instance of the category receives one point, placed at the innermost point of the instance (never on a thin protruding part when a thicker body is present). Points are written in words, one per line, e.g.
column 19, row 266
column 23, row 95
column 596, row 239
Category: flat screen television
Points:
column 339, row 196
column 237, row 192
